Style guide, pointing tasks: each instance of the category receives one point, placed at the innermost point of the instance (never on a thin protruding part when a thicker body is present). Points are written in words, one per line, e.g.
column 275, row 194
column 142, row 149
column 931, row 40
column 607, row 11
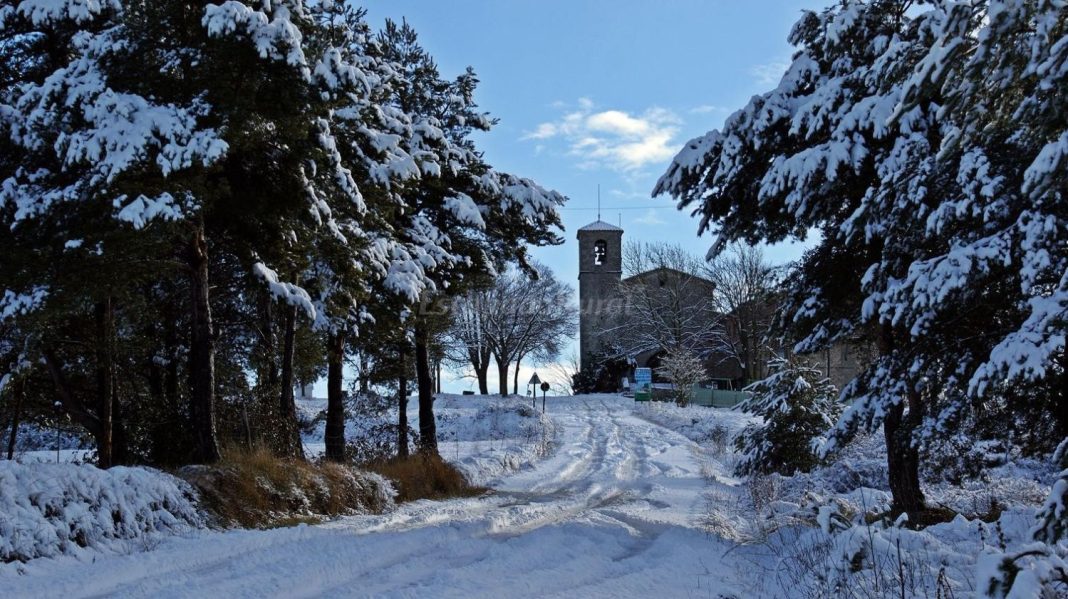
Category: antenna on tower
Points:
column 598, row 201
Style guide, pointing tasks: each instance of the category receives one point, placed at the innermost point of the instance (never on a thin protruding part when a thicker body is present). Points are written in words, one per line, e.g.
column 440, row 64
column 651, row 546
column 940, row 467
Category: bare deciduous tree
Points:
column 684, row 370
column 745, row 287
column 562, row 373
column 518, row 317
column 668, row 303
column 467, row 340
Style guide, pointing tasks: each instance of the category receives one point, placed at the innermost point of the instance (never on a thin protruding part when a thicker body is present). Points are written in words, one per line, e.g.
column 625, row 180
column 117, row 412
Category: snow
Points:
column 614, row 510
column 143, row 209
column 52, row 509
column 13, row 303
column 287, row 292
column 485, row 437
column 601, row 497
column 80, row 11
column 274, row 36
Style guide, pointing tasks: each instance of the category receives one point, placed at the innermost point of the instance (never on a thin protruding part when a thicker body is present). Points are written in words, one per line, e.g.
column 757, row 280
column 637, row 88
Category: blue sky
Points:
column 604, row 92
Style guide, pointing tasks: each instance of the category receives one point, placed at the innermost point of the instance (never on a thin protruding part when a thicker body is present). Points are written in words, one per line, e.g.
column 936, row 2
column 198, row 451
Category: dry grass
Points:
column 425, row 476
column 255, row 489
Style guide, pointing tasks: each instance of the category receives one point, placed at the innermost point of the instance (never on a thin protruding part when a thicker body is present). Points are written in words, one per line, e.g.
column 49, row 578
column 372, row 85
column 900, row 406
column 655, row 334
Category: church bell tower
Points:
column 600, row 273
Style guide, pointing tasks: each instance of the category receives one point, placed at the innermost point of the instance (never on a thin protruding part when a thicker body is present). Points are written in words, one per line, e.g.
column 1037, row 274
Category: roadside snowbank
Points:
column 52, row 509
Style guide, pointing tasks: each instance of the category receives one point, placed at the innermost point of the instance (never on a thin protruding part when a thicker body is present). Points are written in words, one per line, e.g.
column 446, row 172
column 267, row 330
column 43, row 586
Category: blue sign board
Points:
column 643, row 377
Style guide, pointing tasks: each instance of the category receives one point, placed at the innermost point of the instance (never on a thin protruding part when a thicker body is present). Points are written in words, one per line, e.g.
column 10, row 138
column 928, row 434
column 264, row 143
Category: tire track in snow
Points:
column 618, row 492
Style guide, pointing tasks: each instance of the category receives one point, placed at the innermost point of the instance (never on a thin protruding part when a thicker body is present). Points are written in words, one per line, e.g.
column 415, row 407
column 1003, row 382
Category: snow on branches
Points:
column 273, row 33
column 928, row 147
column 42, row 12
column 798, row 404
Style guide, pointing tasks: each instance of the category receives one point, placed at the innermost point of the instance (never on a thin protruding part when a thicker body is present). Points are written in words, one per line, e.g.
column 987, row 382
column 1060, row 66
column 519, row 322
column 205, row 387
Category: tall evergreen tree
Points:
column 887, row 116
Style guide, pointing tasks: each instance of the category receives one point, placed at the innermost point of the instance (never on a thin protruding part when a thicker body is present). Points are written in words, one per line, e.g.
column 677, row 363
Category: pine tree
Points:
column 798, row 404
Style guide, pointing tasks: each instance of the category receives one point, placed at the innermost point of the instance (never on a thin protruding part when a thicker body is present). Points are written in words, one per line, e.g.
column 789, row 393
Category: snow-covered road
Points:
column 614, row 511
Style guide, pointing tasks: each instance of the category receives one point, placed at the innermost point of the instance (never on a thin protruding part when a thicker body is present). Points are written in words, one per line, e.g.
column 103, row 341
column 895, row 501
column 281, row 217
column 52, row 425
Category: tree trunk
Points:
column 201, row 354
column 170, row 374
column 902, row 457
column 482, row 372
column 437, row 377
column 15, row 417
column 105, row 382
column 71, row 403
column 902, row 460
column 428, row 433
column 288, row 406
column 120, row 440
column 269, row 370
column 502, row 372
column 155, row 381
column 365, row 383
column 515, row 377
column 402, row 407
column 335, row 399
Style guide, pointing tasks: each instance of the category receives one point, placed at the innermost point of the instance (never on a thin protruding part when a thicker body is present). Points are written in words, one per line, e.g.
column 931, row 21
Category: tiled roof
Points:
column 600, row 225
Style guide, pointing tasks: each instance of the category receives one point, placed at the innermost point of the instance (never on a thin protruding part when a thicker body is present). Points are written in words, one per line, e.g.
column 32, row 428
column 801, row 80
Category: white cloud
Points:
column 613, row 138
column 707, row 108
column 650, row 218
column 543, row 131
column 769, row 73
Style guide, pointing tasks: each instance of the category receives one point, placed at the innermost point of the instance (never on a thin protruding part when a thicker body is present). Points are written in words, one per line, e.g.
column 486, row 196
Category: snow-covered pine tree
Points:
column 799, row 405
column 80, row 131
column 463, row 218
column 886, row 117
column 1038, row 569
column 189, row 128
column 810, row 154
column 259, row 143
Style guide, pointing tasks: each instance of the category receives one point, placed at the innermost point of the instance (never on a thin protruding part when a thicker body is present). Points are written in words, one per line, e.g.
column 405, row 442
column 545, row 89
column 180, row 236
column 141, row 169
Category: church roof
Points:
column 600, row 225
column 666, row 270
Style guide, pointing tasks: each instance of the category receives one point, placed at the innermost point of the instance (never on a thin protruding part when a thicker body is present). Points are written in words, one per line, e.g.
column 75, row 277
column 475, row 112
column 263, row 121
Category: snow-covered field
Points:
column 625, row 501
column 484, row 437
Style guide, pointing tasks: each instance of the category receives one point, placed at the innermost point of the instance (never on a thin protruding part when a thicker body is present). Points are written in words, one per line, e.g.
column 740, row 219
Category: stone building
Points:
column 607, row 311
column 611, row 306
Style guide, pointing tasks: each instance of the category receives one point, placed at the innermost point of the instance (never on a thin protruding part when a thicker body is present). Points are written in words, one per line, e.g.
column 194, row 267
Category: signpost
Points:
column 544, row 390
column 534, row 382
column 643, row 384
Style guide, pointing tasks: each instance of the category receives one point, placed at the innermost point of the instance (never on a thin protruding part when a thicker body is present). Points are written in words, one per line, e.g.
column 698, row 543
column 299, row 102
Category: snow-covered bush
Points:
column 798, row 405
column 52, row 509
column 1038, row 569
column 683, row 370
column 833, row 549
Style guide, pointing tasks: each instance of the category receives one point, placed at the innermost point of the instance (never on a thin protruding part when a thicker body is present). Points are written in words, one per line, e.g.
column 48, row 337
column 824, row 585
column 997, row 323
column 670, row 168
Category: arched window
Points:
column 600, row 252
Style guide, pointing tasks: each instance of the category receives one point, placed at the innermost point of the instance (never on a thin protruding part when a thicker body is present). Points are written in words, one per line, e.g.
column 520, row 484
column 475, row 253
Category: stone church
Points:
column 605, row 314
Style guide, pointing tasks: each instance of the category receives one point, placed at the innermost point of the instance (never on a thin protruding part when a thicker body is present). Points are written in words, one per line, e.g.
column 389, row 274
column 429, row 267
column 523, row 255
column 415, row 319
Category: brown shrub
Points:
column 255, row 489
column 424, row 476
